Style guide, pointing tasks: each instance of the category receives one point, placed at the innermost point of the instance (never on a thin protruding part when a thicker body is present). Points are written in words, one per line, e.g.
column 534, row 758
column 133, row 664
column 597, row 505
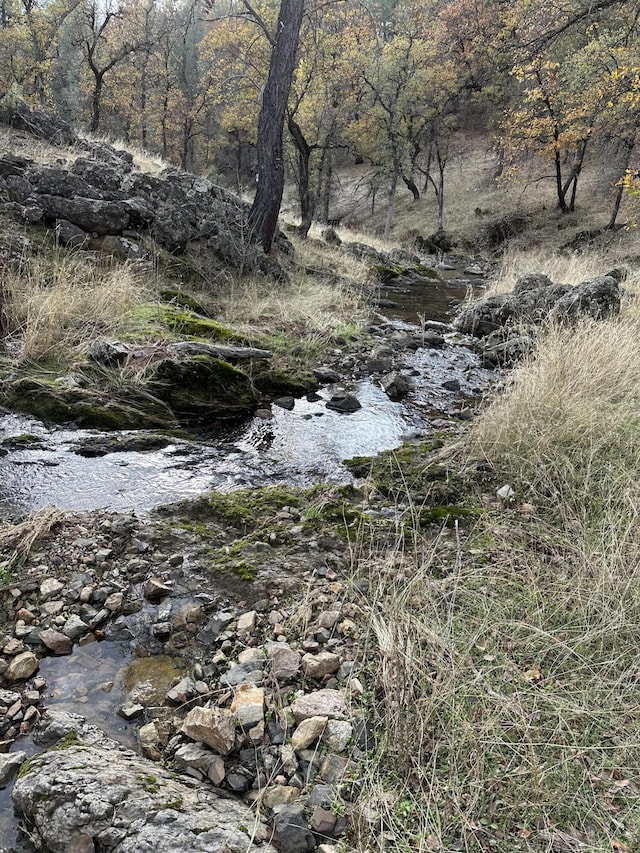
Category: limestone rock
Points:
column 126, row 804
column 56, row 642
column 214, row 726
column 248, row 705
column 285, row 663
column 308, row 731
column 324, row 663
column 9, row 766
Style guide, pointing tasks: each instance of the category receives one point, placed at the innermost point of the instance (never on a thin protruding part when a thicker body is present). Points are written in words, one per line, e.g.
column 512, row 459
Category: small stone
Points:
column 248, row 705
column 328, row 618
column 56, row 642
column 150, row 740
column 50, row 587
column 323, row 821
column 155, row 589
column 345, row 403
column 247, row 622
column 21, row 667
column 505, row 494
column 75, row 628
column 182, row 691
column 333, row 768
column 321, row 795
column 162, row 630
column 276, row 795
column 52, row 608
column 307, row 732
column 322, row 703
column 324, row 663
column 131, row 712
column 291, row 830
column 114, row 602
column 175, row 560
column 285, row 663
column 288, row 759
column 216, row 727
column 26, row 616
column 337, row 735
column 13, row 646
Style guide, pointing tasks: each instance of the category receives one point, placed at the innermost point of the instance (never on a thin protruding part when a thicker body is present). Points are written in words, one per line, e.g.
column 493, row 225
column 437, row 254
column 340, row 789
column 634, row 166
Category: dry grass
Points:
column 54, row 306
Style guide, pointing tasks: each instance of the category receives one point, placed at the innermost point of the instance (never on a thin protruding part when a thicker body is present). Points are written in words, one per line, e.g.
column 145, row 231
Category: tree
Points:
column 263, row 216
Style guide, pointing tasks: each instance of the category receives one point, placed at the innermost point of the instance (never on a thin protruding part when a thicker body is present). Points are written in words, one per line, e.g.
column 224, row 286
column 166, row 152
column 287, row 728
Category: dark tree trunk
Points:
column 263, row 216
column 411, row 186
column 303, row 150
column 628, row 146
column 96, row 103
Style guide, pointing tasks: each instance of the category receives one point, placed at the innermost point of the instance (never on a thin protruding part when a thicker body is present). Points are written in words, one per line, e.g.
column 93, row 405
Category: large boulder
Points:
column 90, row 214
column 90, row 793
column 536, row 298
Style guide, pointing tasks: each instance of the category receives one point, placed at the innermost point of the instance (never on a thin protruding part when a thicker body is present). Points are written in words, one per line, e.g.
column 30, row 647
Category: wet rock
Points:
column 287, row 403
column 9, row 766
column 215, row 626
column 56, row 642
column 126, row 804
column 182, row 691
column 155, row 589
column 291, row 830
column 345, row 403
column 216, row 727
column 241, row 672
column 21, row 667
column 131, row 712
column 75, row 628
column 396, row 385
column 322, row 703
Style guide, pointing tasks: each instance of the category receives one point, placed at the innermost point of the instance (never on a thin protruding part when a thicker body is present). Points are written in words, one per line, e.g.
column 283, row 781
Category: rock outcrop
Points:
column 90, row 793
column 501, row 322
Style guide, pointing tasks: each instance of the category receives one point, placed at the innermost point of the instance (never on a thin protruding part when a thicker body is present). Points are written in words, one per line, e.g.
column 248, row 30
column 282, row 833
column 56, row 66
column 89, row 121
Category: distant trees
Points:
column 214, row 84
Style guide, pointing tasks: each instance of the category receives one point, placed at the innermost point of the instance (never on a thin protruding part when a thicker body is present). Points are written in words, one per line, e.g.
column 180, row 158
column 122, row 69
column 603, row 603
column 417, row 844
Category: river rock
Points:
column 345, row 403
column 285, row 662
column 49, row 588
column 216, row 727
column 57, row 643
column 196, row 756
column 75, row 628
column 292, row 832
column 9, row 766
column 308, row 731
column 21, row 667
column 125, row 804
column 248, row 705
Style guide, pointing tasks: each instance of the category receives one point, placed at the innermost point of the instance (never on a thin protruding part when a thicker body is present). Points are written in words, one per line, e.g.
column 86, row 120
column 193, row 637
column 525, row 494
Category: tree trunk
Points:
column 411, row 186
column 305, row 198
column 391, row 196
column 263, row 216
column 628, row 146
column 96, row 100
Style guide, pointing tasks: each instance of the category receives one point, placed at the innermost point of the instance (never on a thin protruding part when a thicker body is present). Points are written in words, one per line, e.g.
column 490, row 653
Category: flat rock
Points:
column 322, row 703
column 56, row 642
column 248, row 705
column 324, row 663
column 308, row 731
column 125, row 804
column 285, row 663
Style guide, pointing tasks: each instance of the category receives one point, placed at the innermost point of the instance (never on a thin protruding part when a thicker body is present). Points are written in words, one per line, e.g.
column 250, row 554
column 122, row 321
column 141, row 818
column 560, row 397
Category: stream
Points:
column 299, row 447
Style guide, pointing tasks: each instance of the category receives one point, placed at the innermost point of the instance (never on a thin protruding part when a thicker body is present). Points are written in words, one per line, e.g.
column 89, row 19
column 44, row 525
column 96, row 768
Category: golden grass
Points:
column 54, row 306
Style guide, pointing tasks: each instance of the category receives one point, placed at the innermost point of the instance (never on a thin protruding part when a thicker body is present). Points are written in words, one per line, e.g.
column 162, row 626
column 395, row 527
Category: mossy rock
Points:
column 385, row 273
column 280, row 382
column 130, row 409
column 427, row 272
column 187, row 322
column 203, row 387
column 184, row 300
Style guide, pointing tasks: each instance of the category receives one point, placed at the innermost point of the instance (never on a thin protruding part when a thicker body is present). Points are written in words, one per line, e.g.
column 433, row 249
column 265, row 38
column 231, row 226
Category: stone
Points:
column 324, row 663
column 9, row 765
column 56, row 642
column 75, row 628
column 337, row 735
column 126, row 803
column 240, row 672
column 182, row 691
column 114, row 602
column 216, row 727
column 248, row 705
column 69, row 235
column 247, row 622
column 345, row 403
column 8, row 697
column 323, row 821
column 49, row 588
column 396, row 385
column 277, row 795
column 291, row 830
column 215, row 626
column 149, row 737
column 285, row 663
column 333, row 768
column 328, row 619
column 22, row 666
column 307, row 732
column 196, row 756
column 131, row 712
column 155, row 589
column 322, row 703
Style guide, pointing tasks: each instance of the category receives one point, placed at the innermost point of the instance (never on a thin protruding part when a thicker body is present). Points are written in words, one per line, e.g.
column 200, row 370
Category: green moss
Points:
column 385, row 273
column 447, row 515
column 70, row 739
column 149, row 783
column 184, row 300
column 187, row 322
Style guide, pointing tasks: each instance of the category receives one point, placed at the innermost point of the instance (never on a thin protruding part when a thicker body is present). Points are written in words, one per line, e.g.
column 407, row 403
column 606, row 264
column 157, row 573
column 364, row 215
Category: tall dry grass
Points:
column 55, row 305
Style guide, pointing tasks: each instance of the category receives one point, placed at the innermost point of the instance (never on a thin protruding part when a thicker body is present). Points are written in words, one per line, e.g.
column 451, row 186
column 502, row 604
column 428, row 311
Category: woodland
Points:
column 387, row 83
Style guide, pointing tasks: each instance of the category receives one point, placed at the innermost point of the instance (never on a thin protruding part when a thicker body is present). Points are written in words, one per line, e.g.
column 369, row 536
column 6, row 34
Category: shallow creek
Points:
column 299, row 447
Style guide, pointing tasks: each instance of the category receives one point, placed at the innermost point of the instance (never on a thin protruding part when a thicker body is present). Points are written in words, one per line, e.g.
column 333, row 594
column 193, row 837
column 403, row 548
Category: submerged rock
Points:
column 97, row 792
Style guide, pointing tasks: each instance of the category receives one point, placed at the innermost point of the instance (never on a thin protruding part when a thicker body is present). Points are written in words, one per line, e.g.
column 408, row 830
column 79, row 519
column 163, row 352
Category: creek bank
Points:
column 504, row 325
column 268, row 700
